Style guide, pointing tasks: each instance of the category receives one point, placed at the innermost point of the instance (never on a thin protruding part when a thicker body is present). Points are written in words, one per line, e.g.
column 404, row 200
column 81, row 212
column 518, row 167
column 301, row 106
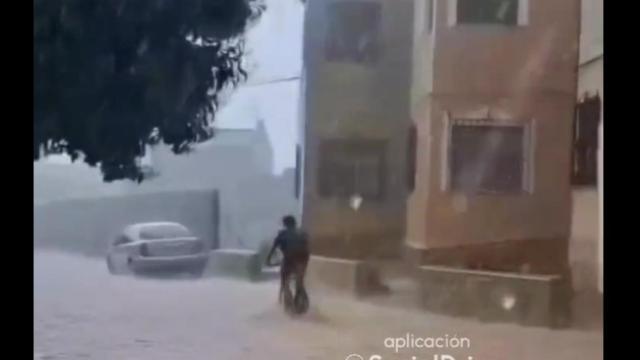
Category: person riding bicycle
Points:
column 294, row 246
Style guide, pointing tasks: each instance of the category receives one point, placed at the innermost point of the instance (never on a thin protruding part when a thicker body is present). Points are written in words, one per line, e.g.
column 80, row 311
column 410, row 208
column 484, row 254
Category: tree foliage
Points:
column 111, row 76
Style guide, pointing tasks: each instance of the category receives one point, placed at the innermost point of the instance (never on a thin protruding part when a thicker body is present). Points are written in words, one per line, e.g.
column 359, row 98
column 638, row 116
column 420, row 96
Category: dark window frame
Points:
column 584, row 155
column 342, row 13
column 521, row 160
column 468, row 12
column 329, row 186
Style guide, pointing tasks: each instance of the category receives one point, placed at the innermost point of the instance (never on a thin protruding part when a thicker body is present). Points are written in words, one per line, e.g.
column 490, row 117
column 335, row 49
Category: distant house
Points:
column 57, row 178
column 230, row 155
column 236, row 162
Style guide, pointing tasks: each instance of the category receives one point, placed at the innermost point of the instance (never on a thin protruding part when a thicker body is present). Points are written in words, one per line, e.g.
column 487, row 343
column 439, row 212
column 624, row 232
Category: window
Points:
column 121, row 240
column 503, row 12
column 488, row 158
column 352, row 167
column 353, row 31
column 163, row 231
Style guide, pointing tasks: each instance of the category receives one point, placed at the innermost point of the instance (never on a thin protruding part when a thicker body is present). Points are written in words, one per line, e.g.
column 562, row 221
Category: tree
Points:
column 112, row 76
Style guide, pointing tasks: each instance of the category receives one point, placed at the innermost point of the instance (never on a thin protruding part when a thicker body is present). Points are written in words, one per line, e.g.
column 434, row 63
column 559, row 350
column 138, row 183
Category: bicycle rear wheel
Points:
column 301, row 301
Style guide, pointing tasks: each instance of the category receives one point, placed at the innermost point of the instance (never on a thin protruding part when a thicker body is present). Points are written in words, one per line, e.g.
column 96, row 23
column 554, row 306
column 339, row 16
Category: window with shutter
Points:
column 352, row 167
column 488, row 159
column 353, row 31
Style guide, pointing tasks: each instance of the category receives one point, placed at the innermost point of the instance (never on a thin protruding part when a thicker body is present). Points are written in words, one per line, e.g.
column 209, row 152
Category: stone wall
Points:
column 492, row 296
column 252, row 210
column 346, row 276
column 533, row 256
column 251, row 204
column 583, row 252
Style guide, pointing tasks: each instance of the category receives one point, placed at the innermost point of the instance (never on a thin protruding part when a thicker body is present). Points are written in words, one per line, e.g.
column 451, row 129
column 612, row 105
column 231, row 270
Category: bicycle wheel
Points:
column 288, row 297
column 301, row 302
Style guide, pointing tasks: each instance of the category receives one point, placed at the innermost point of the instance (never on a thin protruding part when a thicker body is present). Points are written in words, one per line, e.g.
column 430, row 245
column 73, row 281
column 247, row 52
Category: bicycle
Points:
column 295, row 301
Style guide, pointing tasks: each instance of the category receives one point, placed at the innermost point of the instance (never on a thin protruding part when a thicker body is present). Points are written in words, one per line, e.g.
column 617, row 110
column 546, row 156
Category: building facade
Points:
column 588, row 144
column 357, row 81
column 493, row 102
column 451, row 120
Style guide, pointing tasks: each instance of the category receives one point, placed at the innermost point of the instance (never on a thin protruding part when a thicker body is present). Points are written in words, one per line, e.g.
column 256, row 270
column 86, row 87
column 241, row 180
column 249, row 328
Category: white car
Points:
column 157, row 247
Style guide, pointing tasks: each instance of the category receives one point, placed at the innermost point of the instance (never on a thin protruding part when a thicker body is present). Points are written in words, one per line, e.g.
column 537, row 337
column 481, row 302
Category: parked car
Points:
column 157, row 247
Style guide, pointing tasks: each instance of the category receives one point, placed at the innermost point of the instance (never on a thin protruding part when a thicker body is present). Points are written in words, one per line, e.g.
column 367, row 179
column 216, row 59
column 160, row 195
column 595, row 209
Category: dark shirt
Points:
column 292, row 242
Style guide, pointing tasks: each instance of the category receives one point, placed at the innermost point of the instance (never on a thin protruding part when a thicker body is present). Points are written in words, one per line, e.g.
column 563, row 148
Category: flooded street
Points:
column 81, row 312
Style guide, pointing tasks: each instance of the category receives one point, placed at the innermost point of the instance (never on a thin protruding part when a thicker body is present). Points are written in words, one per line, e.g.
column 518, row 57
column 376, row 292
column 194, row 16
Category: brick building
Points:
column 451, row 119
column 357, row 82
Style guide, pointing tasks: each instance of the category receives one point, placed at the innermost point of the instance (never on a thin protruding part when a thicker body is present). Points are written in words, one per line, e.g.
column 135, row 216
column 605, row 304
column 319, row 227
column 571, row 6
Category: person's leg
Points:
column 301, row 270
column 287, row 272
column 282, row 283
column 301, row 298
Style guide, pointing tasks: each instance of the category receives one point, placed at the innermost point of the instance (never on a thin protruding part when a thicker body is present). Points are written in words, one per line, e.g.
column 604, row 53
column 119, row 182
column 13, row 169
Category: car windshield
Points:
column 163, row 231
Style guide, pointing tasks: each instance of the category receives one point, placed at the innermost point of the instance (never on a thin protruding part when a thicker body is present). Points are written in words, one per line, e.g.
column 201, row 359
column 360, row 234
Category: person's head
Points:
column 289, row 222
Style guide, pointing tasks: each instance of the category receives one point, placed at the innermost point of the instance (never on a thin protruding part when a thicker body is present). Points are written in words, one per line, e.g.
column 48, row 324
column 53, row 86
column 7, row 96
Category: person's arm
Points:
column 276, row 243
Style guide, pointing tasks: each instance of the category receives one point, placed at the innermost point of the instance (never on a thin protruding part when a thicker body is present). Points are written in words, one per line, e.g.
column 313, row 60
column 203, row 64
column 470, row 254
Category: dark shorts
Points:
column 294, row 265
